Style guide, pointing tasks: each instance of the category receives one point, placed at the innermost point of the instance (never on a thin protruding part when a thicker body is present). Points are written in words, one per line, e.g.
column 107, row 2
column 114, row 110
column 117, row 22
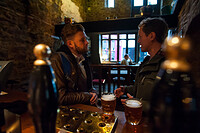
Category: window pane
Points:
column 105, row 36
column 122, row 36
column 142, row 55
column 105, row 50
column 111, row 3
column 131, row 36
column 113, row 55
column 113, row 36
column 126, row 43
column 122, row 49
column 152, row 2
column 138, row 2
column 131, row 49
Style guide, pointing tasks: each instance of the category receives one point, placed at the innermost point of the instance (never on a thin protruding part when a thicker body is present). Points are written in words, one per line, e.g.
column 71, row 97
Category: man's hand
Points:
column 124, row 100
column 93, row 98
column 119, row 91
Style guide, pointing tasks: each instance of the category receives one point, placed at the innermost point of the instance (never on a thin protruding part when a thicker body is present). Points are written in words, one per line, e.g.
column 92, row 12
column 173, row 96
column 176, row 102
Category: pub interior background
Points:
column 25, row 23
column 112, row 32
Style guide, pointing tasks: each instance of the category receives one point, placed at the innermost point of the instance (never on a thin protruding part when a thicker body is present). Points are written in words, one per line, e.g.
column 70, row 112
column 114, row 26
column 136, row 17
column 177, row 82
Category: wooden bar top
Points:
column 13, row 96
column 122, row 127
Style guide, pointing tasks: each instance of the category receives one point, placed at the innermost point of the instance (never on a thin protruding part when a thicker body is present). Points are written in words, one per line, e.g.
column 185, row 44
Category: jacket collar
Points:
column 64, row 48
column 153, row 64
column 79, row 59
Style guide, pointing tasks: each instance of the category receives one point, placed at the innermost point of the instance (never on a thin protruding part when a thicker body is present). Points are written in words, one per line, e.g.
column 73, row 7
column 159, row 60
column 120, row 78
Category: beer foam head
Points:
column 133, row 103
column 108, row 97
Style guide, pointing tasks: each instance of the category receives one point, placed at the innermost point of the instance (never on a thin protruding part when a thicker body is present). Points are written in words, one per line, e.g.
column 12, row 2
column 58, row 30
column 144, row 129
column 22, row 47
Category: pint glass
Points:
column 108, row 103
column 133, row 111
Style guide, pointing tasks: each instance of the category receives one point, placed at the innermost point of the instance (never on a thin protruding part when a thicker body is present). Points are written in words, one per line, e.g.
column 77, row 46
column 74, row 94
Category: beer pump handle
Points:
column 173, row 103
column 43, row 92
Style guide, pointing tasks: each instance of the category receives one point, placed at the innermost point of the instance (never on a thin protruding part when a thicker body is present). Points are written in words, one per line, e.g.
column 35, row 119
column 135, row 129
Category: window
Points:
column 144, row 2
column 138, row 3
column 152, row 2
column 110, row 3
column 114, row 46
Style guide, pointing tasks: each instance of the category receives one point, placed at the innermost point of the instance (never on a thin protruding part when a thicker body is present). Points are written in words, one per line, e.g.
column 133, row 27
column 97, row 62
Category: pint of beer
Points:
column 133, row 111
column 108, row 103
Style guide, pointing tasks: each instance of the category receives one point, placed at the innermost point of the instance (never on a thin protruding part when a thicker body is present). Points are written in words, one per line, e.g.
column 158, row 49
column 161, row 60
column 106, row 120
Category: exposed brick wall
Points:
column 96, row 10
column 23, row 24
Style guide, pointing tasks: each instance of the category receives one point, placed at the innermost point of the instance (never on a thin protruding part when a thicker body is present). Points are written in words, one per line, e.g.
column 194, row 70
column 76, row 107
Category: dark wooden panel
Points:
column 118, row 24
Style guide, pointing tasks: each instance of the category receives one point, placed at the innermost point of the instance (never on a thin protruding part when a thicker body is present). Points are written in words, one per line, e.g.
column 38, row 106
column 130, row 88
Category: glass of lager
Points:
column 108, row 103
column 133, row 111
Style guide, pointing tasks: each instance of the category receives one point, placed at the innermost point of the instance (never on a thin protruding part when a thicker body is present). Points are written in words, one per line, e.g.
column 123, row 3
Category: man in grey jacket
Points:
column 152, row 33
column 72, row 71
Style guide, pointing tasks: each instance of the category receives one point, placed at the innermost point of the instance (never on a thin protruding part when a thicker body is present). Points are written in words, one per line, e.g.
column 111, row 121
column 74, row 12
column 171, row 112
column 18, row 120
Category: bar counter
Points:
column 122, row 127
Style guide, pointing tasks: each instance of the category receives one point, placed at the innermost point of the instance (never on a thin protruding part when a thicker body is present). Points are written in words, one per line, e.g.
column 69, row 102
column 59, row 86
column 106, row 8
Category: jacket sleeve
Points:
column 66, row 97
column 130, row 90
column 89, row 77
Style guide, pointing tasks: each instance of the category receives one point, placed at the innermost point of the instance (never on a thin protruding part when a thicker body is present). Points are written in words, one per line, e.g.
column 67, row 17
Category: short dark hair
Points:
column 126, row 55
column 69, row 30
column 157, row 25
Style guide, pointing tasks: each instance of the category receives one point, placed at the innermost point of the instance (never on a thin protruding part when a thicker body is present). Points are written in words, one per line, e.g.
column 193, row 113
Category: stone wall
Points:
column 23, row 24
column 96, row 10
column 74, row 9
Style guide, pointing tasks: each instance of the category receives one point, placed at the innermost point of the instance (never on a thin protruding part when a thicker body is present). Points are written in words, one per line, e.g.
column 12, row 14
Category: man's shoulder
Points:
column 58, row 55
column 157, row 59
column 54, row 56
column 123, row 60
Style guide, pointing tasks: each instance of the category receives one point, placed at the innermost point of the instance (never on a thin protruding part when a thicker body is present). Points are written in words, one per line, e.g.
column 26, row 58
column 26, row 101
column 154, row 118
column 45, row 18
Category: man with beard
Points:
column 72, row 71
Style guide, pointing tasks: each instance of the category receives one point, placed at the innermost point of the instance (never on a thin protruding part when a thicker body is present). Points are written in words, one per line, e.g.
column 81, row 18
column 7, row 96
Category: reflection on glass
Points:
column 138, row 2
column 131, row 36
column 152, row 2
column 105, row 50
column 122, row 49
column 122, row 36
column 105, row 36
column 113, row 55
column 131, row 49
column 113, row 36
